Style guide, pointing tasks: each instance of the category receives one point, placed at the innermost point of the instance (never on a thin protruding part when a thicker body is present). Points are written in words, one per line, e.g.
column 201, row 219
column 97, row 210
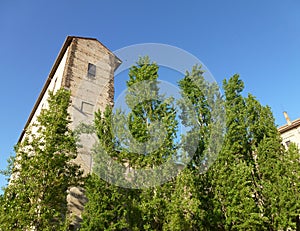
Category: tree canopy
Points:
column 238, row 175
column 43, row 171
column 251, row 183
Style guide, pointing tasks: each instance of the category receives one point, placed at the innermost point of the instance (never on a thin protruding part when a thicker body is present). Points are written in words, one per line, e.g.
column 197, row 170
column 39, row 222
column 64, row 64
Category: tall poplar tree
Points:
column 153, row 201
column 232, row 180
column 191, row 204
column 253, row 184
column 44, row 170
column 133, row 145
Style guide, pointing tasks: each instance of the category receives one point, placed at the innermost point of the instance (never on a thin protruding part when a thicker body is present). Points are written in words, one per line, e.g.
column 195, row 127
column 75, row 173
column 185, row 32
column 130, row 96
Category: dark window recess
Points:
column 91, row 70
column 287, row 143
column 87, row 108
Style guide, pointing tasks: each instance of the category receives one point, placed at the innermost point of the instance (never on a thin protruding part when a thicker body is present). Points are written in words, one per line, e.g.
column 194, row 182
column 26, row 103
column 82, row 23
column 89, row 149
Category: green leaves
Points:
column 247, row 182
column 132, row 144
column 252, row 182
column 43, row 171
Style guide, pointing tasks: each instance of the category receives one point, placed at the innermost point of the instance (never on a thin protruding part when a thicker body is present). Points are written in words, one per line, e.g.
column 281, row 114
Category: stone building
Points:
column 290, row 132
column 85, row 67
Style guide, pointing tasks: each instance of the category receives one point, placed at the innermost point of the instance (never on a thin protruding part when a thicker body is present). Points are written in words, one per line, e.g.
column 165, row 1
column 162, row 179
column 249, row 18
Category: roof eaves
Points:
column 286, row 127
column 52, row 72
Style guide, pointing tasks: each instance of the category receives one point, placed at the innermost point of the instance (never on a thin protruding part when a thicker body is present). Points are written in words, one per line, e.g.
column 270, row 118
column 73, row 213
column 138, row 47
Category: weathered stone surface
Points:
column 88, row 95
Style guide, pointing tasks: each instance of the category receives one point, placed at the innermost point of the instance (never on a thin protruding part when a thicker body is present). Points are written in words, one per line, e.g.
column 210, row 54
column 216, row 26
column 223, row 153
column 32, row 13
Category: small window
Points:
column 287, row 143
column 87, row 108
column 91, row 70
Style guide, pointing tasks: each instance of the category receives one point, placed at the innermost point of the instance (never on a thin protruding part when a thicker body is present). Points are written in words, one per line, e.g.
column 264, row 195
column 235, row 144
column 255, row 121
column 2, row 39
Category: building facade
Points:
column 290, row 132
column 85, row 67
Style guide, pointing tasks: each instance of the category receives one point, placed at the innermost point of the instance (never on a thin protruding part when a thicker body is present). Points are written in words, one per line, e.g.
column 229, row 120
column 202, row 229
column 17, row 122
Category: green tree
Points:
column 36, row 197
column 142, row 209
column 106, row 209
column 232, row 172
column 290, row 201
column 191, row 206
column 253, row 184
column 109, row 207
column 143, row 84
column 255, row 179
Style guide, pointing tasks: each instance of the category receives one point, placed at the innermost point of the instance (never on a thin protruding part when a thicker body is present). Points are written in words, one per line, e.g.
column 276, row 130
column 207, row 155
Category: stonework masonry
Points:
column 85, row 67
column 88, row 94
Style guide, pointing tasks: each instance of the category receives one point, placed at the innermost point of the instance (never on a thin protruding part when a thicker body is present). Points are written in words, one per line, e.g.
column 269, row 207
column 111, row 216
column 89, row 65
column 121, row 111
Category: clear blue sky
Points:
column 260, row 40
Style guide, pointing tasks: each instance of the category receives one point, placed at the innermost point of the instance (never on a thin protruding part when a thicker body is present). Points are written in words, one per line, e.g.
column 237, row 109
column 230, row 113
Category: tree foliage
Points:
column 239, row 177
column 140, row 209
column 252, row 184
column 36, row 197
column 252, row 176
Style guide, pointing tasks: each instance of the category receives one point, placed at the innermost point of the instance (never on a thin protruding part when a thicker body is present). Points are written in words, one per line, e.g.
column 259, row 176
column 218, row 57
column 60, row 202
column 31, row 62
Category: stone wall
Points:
column 291, row 136
column 88, row 95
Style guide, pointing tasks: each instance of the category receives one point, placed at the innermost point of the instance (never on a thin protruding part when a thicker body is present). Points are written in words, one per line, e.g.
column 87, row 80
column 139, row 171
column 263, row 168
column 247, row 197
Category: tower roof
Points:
column 60, row 56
